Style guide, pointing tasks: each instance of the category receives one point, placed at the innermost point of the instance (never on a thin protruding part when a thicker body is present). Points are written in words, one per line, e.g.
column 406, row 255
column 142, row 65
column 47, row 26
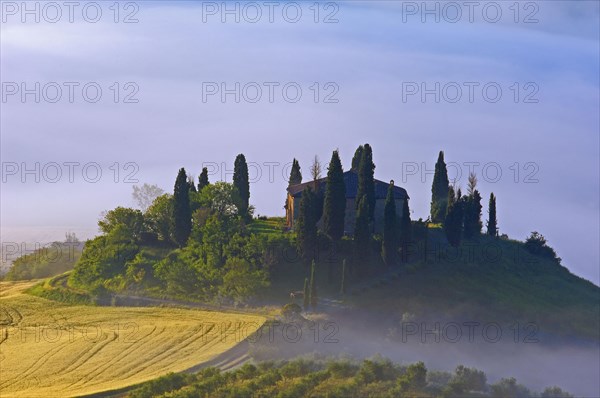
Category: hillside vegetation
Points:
column 44, row 262
column 375, row 377
column 487, row 280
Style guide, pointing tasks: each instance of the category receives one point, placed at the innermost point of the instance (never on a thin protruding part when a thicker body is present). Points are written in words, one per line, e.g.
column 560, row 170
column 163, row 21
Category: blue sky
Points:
column 370, row 54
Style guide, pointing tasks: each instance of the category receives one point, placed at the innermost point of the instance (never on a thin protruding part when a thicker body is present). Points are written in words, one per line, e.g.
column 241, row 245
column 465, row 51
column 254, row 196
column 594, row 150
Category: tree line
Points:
column 459, row 214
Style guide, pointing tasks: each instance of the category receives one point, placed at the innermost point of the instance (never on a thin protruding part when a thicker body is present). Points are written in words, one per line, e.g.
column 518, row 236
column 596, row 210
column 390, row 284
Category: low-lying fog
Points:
column 573, row 367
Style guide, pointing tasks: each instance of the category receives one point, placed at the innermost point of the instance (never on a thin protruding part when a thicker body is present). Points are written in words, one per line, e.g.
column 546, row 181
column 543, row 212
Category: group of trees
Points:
column 194, row 242
column 396, row 230
column 372, row 377
column 460, row 214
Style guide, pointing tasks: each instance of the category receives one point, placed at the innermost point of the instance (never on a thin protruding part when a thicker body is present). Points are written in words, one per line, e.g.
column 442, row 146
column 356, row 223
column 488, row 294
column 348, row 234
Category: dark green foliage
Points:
column 335, row 199
column 508, row 388
column 389, row 247
column 306, row 225
column 192, row 184
column 453, row 224
column 313, row 287
column 295, row 173
column 306, row 301
column 366, row 181
column 472, row 215
column 414, row 379
column 182, row 213
column 466, row 380
column 129, row 221
column 439, row 190
column 492, row 224
column 362, row 234
column 203, row 179
column 537, row 245
column 405, row 230
column 159, row 217
column 377, row 377
column 163, row 384
column 356, row 158
column 104, row 257
column 242, row 183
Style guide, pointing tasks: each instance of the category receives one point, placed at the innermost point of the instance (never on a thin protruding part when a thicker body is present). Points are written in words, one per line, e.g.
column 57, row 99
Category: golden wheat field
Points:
column 50, row 349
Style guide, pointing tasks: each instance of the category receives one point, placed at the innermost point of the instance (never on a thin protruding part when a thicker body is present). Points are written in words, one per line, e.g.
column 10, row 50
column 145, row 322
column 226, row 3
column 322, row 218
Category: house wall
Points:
column 349, row 217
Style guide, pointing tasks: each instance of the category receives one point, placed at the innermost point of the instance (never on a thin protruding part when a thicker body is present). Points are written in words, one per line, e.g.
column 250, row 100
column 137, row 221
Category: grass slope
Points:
column 490, row 280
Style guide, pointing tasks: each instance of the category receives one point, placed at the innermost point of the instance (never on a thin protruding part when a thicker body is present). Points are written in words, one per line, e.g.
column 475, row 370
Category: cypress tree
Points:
column 357, row 157
column 389, row 246
column 192, row 184
column 242, row 183
column 295, row 174
column 203, row 179
column 366, row 180
column 405, row 230
column 453, row 224
column 335, row 200
column 313, row 287
column 439, row 190
column 362, row 234
column 343, row 284
column 306, row 300
column 472, row 212
column 182, row 213
column 492, row 224
column 306, row 237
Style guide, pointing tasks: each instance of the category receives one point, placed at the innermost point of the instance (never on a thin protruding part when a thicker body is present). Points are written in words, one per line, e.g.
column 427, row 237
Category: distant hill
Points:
column 50, row 260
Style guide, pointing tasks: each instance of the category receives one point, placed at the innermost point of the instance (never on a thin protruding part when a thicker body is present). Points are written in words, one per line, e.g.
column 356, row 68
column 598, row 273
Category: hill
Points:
column 51, row 260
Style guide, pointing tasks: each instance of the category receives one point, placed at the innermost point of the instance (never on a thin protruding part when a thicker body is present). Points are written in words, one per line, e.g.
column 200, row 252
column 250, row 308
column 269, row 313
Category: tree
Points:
column 453, row 223
column 242, row 183
column 145, row 195
column 366, row 180
column 313, row 287
column 439, row 190
column 192, row 184
column 343, row 284
column 241, row 281
column 159, row 217
column 315, row 170
column 362, row 235
column 405, row 230
column 203, row 179
column 389, row 246
column 295, row 174
column 306, row 294
column 472, row 209
column 335, row 200
column 471, row 184
column 182, row 213
column 130, row 222
column 492, row 224
column 357, row 157
column 306, row 225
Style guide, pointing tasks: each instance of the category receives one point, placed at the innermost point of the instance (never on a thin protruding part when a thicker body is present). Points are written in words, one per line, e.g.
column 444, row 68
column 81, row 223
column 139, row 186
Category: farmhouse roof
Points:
column 351, row 182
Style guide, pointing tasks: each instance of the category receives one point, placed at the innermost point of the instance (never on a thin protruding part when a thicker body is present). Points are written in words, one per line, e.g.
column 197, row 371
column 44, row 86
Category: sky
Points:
column 127, row 95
